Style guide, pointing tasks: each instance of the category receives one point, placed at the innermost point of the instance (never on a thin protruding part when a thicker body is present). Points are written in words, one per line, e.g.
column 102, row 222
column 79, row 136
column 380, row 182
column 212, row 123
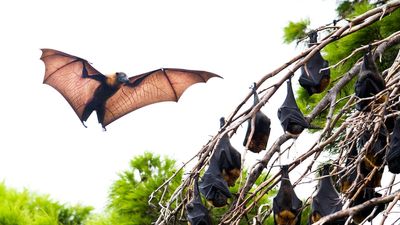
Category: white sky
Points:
column 45, row 148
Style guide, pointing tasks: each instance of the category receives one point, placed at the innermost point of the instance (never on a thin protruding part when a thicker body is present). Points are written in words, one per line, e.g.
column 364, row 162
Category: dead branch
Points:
column 353, row 210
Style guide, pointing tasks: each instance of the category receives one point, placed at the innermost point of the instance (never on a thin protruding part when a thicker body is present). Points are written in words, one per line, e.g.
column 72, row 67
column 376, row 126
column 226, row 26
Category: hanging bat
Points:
column 286, row 205
column 228, row 158
column 262, row 129
column 350, row 178
column 374, row 156
column 113, row 96
column 292, row 120
column 213, row 186
column 393, row 154
column 365, row 195
column 312, row 78
column 197, row 213
column 369, row 83
column 326, row 201
column 393, row 108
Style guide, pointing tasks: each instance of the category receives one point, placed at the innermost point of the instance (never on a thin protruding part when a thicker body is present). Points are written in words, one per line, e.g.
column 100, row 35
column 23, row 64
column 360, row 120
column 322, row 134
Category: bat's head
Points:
column 122, row 78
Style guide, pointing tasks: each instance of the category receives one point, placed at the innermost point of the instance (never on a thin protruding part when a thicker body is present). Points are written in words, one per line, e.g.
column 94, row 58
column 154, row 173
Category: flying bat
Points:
column 369, row 82
column 312, row 78
column 393, row 154
column 228, row 158
column 115, row 95
column 286, row 205
column 292, row 120
column 197, row 213
column 262, row 129
column 327, row 200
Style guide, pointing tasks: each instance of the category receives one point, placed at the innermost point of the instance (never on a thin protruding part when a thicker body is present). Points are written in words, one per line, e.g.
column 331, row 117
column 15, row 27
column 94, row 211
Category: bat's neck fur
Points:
column 112, row 80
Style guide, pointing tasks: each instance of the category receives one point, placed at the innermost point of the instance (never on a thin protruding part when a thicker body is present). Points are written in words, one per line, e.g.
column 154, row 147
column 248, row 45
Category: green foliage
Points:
column 305, row 214
column 295, row 30
column 25, row 208
column 344, row 8
column 336, row 51
column 130, row 193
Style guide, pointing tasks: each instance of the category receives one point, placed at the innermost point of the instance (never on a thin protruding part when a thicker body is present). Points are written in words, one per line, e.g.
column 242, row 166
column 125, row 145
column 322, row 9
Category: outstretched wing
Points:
column 148, row 88
column 68, row 75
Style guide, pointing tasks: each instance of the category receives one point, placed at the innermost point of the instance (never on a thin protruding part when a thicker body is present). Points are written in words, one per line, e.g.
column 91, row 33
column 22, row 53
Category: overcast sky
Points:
column 44, row 146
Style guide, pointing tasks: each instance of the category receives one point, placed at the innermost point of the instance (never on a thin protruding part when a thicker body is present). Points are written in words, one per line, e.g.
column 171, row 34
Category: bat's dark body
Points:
column 197, row 213
column 312, row 78
column 223, row 170
column 228, row 158
column 112, row 97
column 103, row 92
column 326, row 201
column 393, row 155
column 213, row 186
column 369, row 83
column 365, row 195
column 286, row 205
column 262, row 129
column 374, row 156
column 292, row 120
column 351, row 177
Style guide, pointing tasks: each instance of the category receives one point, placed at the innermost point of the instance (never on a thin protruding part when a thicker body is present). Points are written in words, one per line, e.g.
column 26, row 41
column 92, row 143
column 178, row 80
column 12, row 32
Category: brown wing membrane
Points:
column 64, row 73
column 156, row 86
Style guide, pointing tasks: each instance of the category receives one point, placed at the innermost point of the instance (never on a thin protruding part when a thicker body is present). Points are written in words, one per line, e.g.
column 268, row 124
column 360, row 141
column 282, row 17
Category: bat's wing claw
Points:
column 83, row 123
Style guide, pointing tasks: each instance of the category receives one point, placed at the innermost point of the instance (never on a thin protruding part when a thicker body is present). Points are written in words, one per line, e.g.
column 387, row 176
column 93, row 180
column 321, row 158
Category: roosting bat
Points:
column 393, row 108
column 374, row 156
column 292, row 120
column 350, row 178
column 262, row 129
column 213, row 186
column 286, row 205
column 369, row 82
column 228, row 158
column 197, row 213
column 312, row 78
column 365, row 195
column 326, row 201
column 393, row 154
column 88, row 90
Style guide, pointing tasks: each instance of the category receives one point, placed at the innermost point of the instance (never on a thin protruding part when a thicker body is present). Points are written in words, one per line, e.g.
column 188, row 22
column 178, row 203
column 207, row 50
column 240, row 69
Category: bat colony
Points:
column 113, row 96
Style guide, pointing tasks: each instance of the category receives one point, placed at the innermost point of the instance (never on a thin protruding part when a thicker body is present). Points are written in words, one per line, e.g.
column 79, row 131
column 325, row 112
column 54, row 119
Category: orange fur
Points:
column 345, row 186
column 258, row 143
column 324, row 83
column 112, row 79
column 315, row 217
column 285, row 218
column 231, row 176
